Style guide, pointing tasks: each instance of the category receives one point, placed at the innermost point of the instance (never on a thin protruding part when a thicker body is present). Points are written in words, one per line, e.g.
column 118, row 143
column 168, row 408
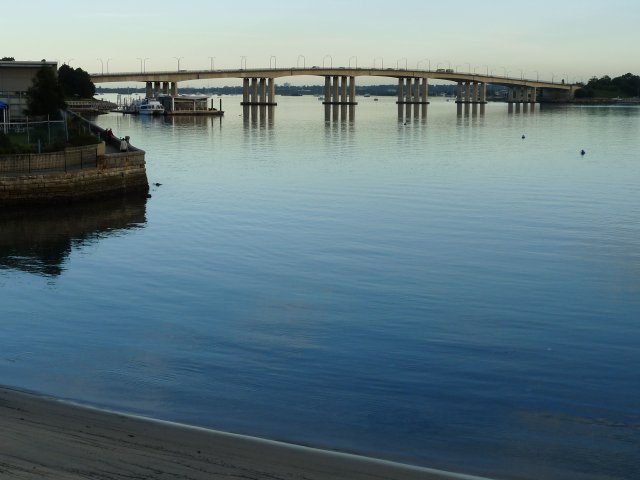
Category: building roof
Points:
column 27, row 64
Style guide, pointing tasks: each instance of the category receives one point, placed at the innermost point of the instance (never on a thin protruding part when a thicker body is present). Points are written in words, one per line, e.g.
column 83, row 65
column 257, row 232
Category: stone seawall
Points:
column 111, row 174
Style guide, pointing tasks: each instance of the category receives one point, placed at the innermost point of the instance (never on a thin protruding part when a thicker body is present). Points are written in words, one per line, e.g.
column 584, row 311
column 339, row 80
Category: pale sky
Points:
column 574, row 39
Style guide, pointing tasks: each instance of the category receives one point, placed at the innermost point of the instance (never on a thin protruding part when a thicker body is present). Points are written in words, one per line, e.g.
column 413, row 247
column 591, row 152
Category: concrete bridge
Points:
column 413, row 85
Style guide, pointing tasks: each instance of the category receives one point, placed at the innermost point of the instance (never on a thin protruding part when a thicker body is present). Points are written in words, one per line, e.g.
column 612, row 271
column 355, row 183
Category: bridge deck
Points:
column 186, row 75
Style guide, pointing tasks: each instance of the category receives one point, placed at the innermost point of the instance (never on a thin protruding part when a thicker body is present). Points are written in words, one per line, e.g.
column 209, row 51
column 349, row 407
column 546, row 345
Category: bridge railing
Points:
column 441, row 73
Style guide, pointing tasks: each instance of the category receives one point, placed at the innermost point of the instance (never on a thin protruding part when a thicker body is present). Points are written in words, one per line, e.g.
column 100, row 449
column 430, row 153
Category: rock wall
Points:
column 112, row 174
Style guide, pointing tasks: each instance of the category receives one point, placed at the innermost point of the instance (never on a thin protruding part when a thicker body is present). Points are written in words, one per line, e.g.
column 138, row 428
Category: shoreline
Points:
column 45, row 438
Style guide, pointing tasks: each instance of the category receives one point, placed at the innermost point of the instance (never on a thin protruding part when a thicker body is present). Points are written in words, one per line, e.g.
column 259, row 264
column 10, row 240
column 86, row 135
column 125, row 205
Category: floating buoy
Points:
column 582, row 152
column 523, row 137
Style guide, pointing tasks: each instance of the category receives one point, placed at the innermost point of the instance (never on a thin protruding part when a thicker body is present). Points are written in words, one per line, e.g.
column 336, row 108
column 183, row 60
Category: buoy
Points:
column 582, row 152
column 157, row 184
column 523, row 137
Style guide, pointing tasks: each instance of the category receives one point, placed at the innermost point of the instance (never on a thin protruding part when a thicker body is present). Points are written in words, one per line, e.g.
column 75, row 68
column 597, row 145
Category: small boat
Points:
column 366, row 95
column 150, row 106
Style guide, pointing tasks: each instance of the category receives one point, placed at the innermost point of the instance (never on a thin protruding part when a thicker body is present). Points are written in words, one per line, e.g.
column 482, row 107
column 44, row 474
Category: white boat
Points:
column 150, row 107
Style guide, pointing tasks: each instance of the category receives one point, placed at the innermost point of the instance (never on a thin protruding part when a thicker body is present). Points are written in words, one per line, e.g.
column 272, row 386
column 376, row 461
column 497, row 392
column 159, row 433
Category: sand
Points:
column 42, row 438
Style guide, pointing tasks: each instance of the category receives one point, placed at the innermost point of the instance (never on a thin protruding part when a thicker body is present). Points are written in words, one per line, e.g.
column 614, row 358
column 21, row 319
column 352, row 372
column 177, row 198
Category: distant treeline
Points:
column 624, row 86
column 290, row 90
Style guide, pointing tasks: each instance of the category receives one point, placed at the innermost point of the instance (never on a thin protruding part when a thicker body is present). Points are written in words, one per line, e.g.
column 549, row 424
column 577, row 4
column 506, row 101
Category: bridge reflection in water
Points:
column 39, row 240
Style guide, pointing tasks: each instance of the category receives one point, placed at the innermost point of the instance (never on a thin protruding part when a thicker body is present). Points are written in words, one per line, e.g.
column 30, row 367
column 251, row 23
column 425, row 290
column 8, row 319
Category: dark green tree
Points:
column 76, row 83
column 45, row 96
column 7, row 59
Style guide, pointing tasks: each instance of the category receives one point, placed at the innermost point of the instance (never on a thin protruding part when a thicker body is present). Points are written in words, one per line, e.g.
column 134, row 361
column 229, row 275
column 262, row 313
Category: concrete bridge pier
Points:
column 413, row 91
column 258, row 91
column 149, row 90
column 522, row 94
column 340, row 90
column 174, row 89
column 165, row 88
column 466, row 92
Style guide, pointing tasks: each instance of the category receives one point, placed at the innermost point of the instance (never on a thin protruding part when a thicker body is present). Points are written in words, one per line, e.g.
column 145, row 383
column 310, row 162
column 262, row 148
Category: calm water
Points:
column 436, row 291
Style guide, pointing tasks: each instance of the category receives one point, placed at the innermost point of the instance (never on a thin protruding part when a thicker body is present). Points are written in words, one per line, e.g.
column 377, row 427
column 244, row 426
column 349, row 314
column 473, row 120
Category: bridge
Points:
column 413, row 85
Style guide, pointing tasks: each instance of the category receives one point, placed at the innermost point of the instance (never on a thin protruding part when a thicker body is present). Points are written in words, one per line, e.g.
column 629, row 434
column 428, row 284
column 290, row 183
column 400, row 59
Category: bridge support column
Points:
column 165, row 88
column 272, row 92
column 483, row 93
column 413, row 91
column 425, row 90
column 245, row 91
column 467, row 92
column 149, row 90
column 459, row 93
column 352, row 90
column 174, row 89
column 156, row 88
column 511, row 97
column 262, row 90
column 475, row 92
column 533, row 94
column 254, row 90
column 340, row 90
column 259, row 91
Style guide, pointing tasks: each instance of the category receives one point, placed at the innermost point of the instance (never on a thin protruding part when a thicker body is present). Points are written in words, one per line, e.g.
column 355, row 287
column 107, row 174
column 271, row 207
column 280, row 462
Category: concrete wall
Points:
column 115, row 174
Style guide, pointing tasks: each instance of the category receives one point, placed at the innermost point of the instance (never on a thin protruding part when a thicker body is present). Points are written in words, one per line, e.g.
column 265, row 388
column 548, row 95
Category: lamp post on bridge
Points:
column 468, row 67
column 243, row 62
column 108, row 60
column 521, row 74
column 143, row 64
column 178, row 59
column 422, row 61
column 375, row 60
column 478, row 66
column 212, row 63
column 398, row 63
column 331, row 61
column 275, row 62
column 304, row 61
column 356, row 61
column 101, row 63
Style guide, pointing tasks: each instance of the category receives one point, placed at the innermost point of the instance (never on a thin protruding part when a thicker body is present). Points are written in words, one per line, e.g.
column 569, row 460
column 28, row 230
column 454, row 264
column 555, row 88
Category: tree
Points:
column 7, row 59
column 76, row 83
column 45, row 96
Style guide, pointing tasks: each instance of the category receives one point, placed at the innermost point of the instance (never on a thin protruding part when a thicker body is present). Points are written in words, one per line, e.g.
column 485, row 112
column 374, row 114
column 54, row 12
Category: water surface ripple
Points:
column 437, row 290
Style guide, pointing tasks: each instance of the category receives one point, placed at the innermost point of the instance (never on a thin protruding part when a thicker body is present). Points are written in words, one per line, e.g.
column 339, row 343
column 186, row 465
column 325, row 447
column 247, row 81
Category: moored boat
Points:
column 150, row 106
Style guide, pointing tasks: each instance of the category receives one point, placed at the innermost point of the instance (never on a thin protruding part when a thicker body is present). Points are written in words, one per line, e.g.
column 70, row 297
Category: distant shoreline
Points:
column 46, row 438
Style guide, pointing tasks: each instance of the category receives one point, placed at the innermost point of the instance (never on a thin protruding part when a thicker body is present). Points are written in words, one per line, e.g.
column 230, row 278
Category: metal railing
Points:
column 37, row 135
column 69, row 159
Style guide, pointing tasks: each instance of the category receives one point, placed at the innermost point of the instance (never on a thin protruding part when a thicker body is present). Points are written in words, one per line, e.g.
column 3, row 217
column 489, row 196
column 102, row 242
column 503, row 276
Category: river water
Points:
column 436, row 290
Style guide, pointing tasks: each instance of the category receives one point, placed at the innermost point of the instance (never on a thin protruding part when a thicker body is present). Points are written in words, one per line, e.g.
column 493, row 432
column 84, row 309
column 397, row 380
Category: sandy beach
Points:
column 42, row 438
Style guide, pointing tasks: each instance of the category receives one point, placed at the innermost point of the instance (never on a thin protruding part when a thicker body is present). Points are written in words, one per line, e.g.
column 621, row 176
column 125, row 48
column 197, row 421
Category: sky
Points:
column 543, row 39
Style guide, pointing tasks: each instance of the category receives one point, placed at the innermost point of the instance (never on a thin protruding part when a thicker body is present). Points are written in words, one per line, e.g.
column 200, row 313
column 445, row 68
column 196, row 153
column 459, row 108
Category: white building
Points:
column 15, row 80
